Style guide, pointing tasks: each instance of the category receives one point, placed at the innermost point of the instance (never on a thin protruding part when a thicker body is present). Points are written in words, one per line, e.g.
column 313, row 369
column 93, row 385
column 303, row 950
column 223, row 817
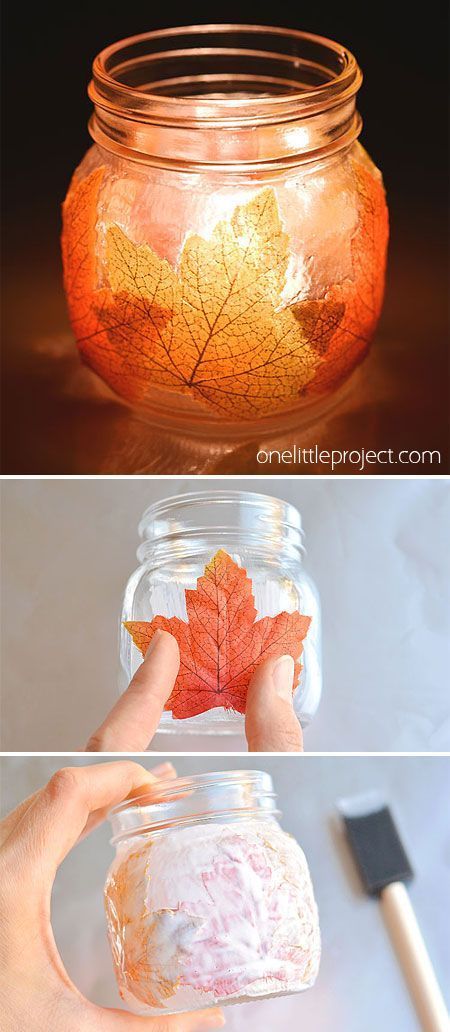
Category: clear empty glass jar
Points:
column 208, row 901
column 225, row 238
column 259, row 534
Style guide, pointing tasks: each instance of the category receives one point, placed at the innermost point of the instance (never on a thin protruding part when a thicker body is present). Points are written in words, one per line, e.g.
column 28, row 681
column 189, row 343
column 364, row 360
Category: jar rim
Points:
column 109, row 93
column 191, row 498
column 180, row 802
column 264, row 520
column 163, row 788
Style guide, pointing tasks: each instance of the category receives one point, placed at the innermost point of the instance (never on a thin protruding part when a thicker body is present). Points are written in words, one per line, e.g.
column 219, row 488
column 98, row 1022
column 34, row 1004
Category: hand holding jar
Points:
column 36, row 991
column 271, row 724
column 208, row 900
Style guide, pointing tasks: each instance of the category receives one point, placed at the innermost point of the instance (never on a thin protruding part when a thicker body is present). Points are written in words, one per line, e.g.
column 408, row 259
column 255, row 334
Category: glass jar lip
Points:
column 109, row 93
column 165, row 789
column 191, row 498
column 200, row 799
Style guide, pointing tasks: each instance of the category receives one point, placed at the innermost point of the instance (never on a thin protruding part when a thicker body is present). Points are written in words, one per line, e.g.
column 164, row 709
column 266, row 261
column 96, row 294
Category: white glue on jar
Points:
column 208, row 900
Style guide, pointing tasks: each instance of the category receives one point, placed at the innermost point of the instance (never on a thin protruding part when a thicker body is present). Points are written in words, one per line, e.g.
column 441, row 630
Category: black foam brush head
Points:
column 377, row 848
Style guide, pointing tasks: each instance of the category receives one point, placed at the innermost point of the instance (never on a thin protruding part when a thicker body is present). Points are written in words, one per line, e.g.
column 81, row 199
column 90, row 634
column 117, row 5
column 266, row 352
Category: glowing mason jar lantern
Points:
column 225, row 238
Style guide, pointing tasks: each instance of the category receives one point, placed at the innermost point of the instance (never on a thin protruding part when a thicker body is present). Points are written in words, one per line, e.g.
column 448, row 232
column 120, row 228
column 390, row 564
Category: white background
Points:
column 377, row 549
column 360, row 987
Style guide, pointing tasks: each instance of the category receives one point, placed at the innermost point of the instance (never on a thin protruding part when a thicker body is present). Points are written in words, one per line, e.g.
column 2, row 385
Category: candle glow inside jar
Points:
column 225, row 238
column 208, row 901
column 223, row 572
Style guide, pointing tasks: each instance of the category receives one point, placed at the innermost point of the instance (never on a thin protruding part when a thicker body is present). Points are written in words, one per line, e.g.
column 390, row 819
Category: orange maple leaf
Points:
column 222, row 643
column 79, row 252
column 356, row 303
column 216, row 330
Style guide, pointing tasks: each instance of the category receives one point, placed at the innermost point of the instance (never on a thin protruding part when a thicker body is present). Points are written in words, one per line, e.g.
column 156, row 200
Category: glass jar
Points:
column 225, row 238
column 208, row 901
column 262, row 536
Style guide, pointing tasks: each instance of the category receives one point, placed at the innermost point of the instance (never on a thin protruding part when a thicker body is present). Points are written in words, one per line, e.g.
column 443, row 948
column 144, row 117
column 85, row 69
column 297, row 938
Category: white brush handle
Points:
column 413, row 955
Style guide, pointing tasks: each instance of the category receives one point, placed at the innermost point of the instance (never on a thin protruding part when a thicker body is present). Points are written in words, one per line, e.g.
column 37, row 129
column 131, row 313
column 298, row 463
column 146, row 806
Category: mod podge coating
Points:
column 211, row 913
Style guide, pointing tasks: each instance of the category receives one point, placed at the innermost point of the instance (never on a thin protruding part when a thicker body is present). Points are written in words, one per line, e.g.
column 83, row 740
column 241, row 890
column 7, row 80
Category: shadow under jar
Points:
column 225, row 238
column 235, row 533
column 208, row 901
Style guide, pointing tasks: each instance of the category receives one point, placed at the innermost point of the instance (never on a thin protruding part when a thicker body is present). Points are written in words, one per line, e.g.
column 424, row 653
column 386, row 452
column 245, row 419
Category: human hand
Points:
column 132, row 722
column 36, row 992
column 271, row 724
column 270, row 721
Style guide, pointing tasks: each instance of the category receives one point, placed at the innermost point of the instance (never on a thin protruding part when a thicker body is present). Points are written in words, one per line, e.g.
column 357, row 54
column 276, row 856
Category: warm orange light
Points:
column 242, row 292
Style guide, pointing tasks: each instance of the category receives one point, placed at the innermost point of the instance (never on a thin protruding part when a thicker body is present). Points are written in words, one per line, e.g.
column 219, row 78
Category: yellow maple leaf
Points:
column 215, row 329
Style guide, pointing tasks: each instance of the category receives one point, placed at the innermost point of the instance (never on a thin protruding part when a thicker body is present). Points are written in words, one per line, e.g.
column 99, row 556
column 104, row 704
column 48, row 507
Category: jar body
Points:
column 215, row 912
column 222, row 302
column 259, row 535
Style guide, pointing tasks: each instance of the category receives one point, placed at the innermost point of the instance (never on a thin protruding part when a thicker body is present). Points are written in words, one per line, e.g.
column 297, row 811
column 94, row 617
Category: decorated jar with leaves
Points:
column 222, row 571
column 225, row 238
column 208, row 901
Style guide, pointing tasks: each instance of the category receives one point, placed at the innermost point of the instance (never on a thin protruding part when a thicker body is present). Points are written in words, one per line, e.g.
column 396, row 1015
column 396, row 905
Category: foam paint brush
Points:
column 384, row 868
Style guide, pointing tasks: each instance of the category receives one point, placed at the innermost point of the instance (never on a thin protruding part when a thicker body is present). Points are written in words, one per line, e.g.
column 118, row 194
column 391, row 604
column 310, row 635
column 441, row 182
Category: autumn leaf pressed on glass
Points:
column 215, row 329
column 222, row 643
column 147, row 946
column 79, row 251
column 356, row 303
column 79, row 245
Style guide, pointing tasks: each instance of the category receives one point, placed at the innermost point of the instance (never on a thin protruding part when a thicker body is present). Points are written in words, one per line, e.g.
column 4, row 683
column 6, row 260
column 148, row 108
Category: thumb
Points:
column 270, row 722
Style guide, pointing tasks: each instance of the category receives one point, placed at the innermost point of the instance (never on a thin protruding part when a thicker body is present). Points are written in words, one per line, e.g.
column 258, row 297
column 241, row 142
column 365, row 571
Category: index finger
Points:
column 58, row 815
column 132, row 722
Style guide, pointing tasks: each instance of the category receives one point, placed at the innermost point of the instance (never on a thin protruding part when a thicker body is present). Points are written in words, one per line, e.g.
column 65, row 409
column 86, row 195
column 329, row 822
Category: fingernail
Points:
column 153, row 643
column 163, row 769
column 283, row 677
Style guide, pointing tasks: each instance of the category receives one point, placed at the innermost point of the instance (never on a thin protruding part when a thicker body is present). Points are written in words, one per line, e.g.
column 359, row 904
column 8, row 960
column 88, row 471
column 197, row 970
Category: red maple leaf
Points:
column 222, row 643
